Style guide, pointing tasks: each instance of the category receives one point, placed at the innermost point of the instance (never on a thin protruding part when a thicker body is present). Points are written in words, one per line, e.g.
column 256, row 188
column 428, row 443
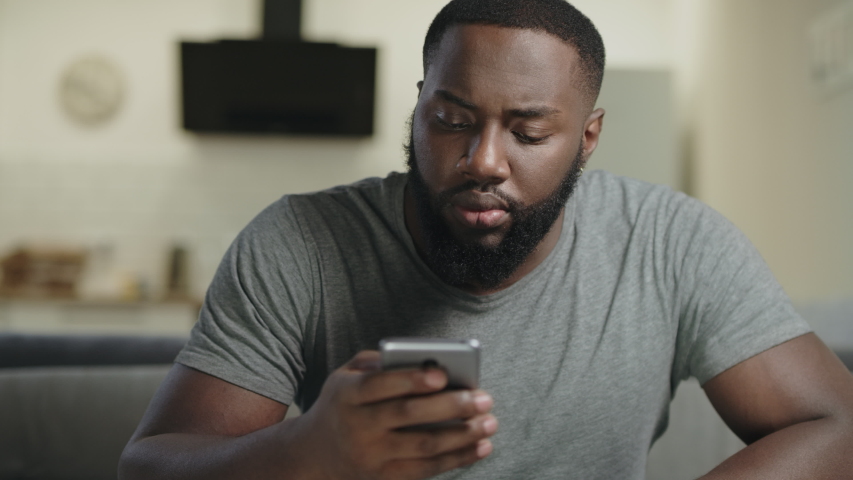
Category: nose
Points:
column 485, row 161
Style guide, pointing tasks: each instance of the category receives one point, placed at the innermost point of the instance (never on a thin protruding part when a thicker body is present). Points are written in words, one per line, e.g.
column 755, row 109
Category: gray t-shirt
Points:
column 645, row 288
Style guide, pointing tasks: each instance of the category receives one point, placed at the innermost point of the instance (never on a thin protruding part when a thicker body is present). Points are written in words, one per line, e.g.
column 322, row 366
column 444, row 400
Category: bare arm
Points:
column 793, row 406
column 199, row 426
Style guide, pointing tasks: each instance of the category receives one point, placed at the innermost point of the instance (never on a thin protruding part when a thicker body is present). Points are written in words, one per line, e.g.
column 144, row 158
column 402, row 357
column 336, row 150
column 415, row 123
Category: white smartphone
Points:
column 459, row 358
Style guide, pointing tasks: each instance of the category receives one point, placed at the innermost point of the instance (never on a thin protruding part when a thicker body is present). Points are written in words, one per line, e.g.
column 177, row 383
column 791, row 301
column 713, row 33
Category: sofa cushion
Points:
column 71, row 422
column 22, row 350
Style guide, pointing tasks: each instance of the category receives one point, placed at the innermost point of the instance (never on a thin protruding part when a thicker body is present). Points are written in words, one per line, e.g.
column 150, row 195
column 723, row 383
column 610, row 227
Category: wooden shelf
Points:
column 96, row 302
column 97, row 316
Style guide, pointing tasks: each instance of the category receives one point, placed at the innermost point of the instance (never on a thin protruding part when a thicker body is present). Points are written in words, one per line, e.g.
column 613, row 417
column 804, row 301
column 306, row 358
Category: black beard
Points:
column 471, row 264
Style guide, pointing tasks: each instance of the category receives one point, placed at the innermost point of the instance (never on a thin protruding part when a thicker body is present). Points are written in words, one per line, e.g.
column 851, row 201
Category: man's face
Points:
column 497, row 141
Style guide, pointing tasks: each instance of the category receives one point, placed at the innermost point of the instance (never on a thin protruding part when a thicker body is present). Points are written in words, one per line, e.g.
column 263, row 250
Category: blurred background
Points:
column 735, row 102
column 113, row 217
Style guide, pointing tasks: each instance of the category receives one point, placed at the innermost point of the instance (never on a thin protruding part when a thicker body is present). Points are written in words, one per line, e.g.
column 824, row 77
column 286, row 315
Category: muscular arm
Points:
column 793, row 406
column 201, row 427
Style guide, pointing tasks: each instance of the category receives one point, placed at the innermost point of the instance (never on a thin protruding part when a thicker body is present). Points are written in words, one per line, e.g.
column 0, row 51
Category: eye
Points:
column 450, row 125
column 528, row 139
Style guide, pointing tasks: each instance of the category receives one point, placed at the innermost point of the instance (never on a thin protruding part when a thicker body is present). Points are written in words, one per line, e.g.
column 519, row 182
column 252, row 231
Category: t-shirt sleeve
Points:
column 257, row 308
column 730, row 306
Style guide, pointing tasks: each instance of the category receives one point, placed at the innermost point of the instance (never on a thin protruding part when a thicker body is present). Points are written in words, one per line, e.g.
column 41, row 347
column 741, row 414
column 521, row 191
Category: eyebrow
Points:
column 454, row 99
column 534, row 112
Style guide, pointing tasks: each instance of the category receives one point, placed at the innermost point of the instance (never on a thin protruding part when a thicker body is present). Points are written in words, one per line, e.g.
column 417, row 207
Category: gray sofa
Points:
column 69, row 404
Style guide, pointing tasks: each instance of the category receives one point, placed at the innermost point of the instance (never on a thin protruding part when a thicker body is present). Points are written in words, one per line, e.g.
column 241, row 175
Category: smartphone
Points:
column 460, row 359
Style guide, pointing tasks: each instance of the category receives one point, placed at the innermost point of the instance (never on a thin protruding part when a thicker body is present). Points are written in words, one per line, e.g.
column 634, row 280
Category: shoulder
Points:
column 620, row 214
column 603, row 191
column 369, row 193
column 346, row 218
column 605, row 201
column 373, row 197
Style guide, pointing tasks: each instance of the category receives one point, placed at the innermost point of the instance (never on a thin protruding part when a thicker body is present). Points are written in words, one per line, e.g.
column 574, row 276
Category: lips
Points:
column 479, row 210
column 481, row 218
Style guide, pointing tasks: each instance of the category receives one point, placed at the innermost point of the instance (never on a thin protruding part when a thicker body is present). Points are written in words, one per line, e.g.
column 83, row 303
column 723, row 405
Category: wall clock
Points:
column 91, row 90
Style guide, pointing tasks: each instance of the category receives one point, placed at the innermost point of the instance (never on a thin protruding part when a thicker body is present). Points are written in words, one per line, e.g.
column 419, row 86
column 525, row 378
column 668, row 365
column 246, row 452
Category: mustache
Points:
column 443, row 198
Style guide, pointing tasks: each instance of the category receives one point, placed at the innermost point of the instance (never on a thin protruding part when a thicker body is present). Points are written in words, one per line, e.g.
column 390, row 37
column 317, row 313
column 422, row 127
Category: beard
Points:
column 459, row 263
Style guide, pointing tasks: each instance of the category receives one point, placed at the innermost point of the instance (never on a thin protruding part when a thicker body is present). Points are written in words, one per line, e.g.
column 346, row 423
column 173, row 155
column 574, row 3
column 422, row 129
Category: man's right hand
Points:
column 201, row 427
column 357, row 427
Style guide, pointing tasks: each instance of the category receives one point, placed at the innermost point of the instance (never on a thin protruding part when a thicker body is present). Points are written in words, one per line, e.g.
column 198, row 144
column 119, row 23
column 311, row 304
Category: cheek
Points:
column 434, row 154
column 538, row 172
column 542, row 164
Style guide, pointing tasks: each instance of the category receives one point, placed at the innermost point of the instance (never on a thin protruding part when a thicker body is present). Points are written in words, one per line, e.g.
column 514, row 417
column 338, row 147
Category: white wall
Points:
column 772, row 153
column 768, row 153
column 140, row 182
column 637, row 33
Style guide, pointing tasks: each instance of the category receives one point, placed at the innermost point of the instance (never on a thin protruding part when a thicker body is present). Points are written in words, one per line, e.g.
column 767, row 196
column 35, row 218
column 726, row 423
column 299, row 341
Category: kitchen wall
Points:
column 773, row 150
column 140, row 183
column 757, row 141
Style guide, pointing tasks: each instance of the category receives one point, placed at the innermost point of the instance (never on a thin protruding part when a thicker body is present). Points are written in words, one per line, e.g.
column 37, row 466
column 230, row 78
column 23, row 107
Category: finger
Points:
column 438, row 407
column 385, row 385
column 365, row 360
column 429, row 467
column 429, row 443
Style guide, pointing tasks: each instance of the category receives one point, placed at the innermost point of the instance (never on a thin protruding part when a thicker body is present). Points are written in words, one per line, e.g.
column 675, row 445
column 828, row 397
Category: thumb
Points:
column 366, row 360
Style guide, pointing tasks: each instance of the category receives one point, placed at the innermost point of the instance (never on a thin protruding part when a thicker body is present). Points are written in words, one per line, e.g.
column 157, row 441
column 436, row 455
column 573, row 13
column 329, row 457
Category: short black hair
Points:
column 556, row 17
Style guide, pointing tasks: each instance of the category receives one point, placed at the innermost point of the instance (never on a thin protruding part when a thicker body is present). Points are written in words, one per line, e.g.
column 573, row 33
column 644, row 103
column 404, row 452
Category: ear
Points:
column 420, row 87
column 591, row 132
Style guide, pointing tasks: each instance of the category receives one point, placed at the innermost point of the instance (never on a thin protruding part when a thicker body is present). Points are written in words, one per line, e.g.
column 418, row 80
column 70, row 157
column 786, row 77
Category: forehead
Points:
column 519, row 65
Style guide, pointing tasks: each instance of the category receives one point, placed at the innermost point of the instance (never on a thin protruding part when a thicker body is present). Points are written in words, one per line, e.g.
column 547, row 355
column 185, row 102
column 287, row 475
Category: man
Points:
column 593, row 297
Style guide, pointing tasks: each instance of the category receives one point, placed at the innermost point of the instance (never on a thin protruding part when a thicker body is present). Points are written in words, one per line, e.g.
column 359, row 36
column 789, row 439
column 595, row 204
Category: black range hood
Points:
column 278, row 84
